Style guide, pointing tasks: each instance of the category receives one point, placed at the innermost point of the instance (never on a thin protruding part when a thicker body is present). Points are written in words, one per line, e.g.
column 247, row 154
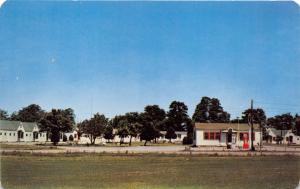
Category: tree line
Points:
column 147, row 124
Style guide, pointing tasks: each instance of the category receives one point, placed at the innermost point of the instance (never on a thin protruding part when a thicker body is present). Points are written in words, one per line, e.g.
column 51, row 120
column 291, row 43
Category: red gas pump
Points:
column 245, row 139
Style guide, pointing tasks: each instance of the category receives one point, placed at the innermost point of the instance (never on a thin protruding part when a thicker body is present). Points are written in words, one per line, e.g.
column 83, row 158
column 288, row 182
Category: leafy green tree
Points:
column 171, row 134
column 127, row 125
column 297, row 125
column 108, row 132
column 94, row 127
column 179, row 120
column 156, row 116
column 31, row 113
column 259, row 116
column 134, row 126
column 281, row 122
column 55, row 122
column 123, row 130
column 149, row 130
column 178, row 117
column 210, row 110
column 3, row 115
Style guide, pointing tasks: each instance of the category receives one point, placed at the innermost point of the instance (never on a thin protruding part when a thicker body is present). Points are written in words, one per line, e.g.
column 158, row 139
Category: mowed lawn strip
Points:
column 148, row 171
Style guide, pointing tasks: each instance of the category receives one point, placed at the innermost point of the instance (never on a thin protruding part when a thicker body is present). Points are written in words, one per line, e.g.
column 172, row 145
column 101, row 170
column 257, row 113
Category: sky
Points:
column 117, row 57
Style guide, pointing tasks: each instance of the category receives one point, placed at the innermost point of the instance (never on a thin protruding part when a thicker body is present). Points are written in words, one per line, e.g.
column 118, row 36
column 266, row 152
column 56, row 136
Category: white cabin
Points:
column 17, row 131
column 225, row 134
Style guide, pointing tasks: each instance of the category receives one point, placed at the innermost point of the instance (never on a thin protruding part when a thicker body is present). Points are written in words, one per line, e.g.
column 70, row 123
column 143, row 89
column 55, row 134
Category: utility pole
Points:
column 251, row 124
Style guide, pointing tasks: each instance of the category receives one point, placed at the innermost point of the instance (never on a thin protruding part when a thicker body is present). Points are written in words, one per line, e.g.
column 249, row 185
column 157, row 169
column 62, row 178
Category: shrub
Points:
column 71, row 138
column 65, row 138
column 187, row 140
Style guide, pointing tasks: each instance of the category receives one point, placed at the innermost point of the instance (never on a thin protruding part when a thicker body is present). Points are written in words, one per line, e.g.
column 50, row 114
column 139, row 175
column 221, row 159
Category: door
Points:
column 20, row 135
column 35, row 135
column 229, row 136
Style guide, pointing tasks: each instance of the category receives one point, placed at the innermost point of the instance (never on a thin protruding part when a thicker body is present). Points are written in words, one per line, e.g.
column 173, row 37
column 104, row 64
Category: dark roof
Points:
column 9, row 125
column 29, row 126
column 225, row 126
column 14, row 125
column 279, row 132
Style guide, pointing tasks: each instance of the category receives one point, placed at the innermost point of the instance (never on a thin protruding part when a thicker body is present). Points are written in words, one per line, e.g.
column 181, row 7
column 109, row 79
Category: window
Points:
column 179, row 136
column 241, row 136
column 0, row 133
column 40, row 134
column 14, row 134
column 26, row 134
column 5, row 134
column 212, row 135
column 206, row 135
column 9, row 134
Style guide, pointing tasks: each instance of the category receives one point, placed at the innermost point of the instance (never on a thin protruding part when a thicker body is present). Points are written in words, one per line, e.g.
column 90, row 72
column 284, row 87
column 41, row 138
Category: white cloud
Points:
column 1, row 2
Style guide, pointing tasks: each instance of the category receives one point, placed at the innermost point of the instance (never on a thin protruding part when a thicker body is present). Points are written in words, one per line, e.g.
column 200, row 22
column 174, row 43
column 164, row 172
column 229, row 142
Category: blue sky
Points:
column 115, row 57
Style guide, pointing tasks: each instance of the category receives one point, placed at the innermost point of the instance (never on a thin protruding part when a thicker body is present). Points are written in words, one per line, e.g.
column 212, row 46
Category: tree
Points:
column 177, row 116
column 134, row 125
column 281, row 122
column 127, row 125
column 259, row 116
column 210, row 110
column 171, row 134
column 123, row 131
column 31, row 113
column 94, row 127
column 179, row 120
column 152, row 120
column 108, row 132
column 148, row 131
column 55, row 122
column 297, row 125
column 3, row 115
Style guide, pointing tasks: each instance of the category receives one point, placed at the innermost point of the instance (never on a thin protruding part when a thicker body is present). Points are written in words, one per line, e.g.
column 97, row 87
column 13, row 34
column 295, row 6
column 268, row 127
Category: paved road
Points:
column 267, row 150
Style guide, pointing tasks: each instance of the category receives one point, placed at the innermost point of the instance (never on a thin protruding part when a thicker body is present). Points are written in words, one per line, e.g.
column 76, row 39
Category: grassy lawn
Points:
column 25, row 146
column 148, row 171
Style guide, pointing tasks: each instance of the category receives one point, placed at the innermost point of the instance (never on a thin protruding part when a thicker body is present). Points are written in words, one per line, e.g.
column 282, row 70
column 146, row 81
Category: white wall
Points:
column 8, row 136
column 12, row 136
column 201, row 142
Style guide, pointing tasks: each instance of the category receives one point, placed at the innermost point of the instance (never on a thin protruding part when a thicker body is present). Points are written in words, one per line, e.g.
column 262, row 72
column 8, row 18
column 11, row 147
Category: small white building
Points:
column 179, row 136
column 275, row 136
column 17, row 131
column 291, row 138
column 224, row 134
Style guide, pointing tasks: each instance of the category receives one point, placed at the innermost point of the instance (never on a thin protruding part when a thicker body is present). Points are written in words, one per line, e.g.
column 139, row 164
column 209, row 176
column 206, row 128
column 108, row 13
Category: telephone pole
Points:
column 251, row 124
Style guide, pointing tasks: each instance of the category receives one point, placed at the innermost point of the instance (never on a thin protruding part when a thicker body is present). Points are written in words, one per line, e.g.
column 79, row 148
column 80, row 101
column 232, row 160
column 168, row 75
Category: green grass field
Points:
column 148, row 171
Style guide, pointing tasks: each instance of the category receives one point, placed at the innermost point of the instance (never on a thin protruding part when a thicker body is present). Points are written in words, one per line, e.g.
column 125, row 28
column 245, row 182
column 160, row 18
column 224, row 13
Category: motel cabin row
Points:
column 17, row 131
column 205, row 134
